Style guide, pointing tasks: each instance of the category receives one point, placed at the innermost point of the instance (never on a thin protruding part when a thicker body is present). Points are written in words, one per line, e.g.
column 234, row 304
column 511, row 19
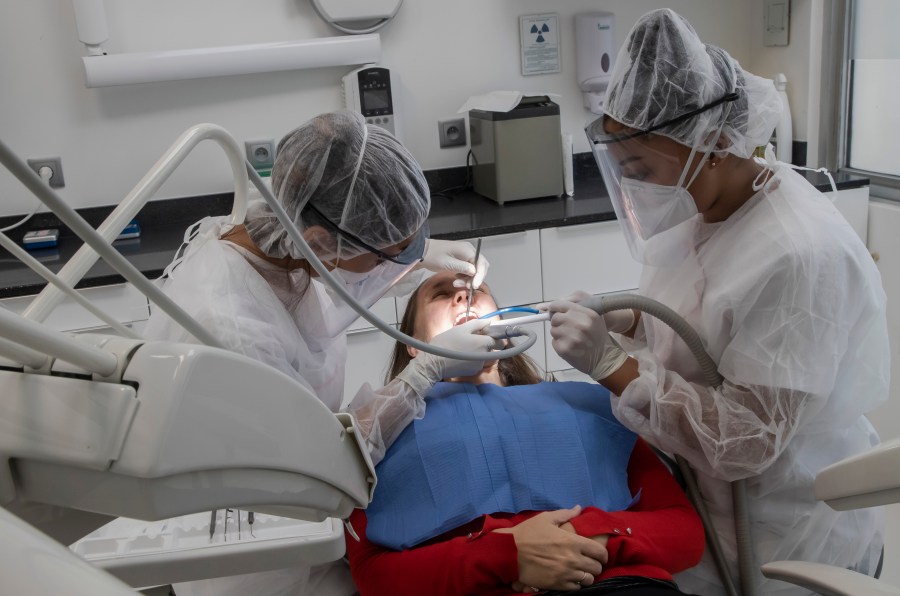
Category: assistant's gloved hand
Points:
column 582, row 338
column 426, row 369
column 617, row 321
column 455, row 255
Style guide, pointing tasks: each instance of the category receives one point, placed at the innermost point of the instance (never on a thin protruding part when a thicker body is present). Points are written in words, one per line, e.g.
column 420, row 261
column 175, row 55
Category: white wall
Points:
column 794, row 60
column 108, row 138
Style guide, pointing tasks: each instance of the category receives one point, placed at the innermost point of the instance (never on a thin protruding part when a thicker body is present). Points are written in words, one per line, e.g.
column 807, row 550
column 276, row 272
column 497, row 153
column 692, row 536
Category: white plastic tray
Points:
column 175, row 550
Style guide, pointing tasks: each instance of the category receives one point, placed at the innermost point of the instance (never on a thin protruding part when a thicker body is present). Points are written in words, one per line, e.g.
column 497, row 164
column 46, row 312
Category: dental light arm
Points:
column 90, row 236
column 85, row 257
column 38, row 339
column 51, row 278
column 326, row 277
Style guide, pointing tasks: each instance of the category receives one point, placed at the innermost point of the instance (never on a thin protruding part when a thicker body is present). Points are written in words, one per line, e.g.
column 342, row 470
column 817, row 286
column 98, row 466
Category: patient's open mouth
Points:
column 462, row 318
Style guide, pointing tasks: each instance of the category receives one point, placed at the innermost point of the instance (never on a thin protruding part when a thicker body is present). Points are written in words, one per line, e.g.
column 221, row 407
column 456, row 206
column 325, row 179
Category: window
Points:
column 867, row 118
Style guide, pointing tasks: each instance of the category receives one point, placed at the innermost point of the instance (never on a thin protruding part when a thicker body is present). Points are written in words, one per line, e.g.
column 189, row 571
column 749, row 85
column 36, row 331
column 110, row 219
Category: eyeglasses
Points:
column 597, row 135
column 413, row 252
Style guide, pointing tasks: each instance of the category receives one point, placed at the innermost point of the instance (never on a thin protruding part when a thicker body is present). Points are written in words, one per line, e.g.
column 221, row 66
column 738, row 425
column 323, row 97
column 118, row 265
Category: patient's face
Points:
column 441, row 306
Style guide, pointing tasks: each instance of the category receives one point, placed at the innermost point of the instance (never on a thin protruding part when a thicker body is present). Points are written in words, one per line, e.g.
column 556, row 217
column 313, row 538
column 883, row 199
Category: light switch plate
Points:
column 777, row 22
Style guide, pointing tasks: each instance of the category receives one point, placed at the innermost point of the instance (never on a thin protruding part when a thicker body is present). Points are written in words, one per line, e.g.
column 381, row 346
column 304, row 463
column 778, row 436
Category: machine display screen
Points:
column 376, row 99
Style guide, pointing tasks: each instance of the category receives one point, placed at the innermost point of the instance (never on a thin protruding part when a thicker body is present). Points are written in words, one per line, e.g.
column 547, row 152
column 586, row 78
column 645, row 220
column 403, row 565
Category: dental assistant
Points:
column 786, row 297
column 361, row 202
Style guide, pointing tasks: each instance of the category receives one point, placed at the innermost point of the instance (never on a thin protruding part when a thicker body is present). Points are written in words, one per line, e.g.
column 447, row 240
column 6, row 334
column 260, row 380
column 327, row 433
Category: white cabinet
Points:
column 515, row 273
column 884, row 243
column 386, row 309
column 122, row 302
column 592, row 257
column 853, row 204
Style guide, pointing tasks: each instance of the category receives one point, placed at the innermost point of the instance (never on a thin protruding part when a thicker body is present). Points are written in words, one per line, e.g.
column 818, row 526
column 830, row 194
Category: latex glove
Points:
column 581, row 338
column 617, row 321
column 426, row 369
column 551, row 558
column 457, row 256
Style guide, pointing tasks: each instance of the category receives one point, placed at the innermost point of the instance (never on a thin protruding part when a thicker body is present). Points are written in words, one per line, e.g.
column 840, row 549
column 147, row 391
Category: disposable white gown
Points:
column 790, row 304
column 253, row 308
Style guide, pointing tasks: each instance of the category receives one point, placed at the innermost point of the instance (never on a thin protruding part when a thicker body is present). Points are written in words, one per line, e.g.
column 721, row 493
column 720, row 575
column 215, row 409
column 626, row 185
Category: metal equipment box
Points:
column 517, row 154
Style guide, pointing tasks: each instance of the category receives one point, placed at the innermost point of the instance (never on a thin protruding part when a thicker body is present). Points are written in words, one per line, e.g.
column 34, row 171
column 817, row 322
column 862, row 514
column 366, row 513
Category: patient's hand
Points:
column 600, row 539
column 551, row 558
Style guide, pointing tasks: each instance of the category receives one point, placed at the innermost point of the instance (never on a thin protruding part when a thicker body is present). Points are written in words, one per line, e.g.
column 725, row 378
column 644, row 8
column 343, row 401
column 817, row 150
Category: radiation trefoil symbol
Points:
column 540, row 37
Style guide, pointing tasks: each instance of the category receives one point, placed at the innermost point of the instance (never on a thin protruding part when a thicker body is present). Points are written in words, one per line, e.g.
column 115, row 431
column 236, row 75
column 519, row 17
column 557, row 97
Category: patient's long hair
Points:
column 517, row 370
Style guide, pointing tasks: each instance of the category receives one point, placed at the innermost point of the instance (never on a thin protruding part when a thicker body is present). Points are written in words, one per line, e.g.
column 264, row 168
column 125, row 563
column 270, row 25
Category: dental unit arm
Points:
column 93, row 427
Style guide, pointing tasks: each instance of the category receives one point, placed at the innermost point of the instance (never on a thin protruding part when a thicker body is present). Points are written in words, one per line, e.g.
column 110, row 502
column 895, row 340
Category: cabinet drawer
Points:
column 386, row 309
column 122, row 302
column 538, row 351
column 853, row 204
column 593, row 257
column 515, row 273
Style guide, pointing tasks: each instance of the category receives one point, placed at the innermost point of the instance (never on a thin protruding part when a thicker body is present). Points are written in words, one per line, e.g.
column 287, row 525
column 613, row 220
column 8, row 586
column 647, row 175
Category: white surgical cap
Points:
column 382, row 198
column 664, row 71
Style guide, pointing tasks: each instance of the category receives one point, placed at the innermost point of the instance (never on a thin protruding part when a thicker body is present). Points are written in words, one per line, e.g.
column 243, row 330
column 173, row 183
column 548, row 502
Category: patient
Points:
column 513, row 485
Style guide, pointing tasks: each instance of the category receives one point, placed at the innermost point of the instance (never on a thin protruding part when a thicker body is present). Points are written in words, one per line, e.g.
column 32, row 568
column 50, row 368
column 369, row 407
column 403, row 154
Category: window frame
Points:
column 834, row 117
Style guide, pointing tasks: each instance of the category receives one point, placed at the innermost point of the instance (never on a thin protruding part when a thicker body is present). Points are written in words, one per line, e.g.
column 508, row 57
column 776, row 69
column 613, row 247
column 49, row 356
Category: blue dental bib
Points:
column 487, row 449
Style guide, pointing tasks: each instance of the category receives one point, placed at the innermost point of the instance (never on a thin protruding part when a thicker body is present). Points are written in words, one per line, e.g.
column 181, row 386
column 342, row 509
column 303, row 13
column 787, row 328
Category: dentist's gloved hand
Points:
column 457, row 256
column 426, row 369
column 617, row 321
column 581, row 338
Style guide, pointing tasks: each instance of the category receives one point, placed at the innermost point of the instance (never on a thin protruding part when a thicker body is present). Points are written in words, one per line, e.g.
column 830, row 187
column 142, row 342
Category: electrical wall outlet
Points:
column 55, row 164
column 261, row 154
column 452, row 132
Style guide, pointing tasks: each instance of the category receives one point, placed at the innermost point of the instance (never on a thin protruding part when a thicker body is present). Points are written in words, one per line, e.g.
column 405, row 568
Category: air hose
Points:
column 746, row 564
column 340, row 290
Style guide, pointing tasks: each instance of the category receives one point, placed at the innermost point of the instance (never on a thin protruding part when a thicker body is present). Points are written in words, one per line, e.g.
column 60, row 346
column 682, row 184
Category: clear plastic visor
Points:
column 642, row 173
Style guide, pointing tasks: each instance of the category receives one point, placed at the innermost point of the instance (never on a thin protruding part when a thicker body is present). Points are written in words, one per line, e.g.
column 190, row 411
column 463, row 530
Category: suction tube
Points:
column 326, row 277
column 746, row 563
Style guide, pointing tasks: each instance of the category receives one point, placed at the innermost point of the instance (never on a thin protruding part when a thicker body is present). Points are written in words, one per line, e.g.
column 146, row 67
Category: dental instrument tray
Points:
column 144, row 553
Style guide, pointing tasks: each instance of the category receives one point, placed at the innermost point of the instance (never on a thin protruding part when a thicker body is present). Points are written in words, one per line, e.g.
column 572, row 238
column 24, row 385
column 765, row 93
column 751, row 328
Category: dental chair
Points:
column 98, row 428
column 174, row 429
column 865, row 480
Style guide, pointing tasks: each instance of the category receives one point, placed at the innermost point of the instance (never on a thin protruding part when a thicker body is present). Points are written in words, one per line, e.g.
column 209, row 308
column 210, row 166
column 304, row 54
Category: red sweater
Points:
column 659, row 536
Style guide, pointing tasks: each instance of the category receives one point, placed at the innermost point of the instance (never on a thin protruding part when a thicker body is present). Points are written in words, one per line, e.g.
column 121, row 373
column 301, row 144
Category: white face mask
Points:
column 657, row 208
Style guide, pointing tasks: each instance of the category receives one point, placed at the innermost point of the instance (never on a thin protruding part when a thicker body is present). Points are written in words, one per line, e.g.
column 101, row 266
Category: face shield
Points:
column 368, row 286
column 648, row 185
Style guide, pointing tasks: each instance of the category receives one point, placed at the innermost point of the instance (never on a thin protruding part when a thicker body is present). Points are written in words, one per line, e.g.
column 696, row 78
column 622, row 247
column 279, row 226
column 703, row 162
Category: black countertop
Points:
column 453, row 216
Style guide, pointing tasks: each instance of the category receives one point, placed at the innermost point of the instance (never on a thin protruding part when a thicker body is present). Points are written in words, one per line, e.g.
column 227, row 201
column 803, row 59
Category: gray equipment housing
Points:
column 517, row 154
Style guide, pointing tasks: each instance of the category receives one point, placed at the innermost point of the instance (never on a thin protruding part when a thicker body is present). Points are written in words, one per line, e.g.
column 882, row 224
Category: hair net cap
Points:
column 359, row 177
column 664, row 71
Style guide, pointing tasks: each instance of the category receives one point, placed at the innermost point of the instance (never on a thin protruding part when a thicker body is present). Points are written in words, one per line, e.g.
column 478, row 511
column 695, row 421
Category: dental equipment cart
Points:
column 146, row 554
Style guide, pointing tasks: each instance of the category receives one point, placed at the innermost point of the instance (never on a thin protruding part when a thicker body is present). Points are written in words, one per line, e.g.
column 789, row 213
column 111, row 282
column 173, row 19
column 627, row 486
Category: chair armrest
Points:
column 865, row 480
column 827, row 580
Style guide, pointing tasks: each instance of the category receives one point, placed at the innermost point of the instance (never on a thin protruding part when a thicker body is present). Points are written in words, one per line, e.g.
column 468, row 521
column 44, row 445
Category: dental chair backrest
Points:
column 869, row 479
column 176, row 429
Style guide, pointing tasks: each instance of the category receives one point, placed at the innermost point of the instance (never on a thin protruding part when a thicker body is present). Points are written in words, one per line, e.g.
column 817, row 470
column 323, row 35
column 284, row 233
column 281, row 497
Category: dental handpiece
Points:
column 509, row 328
